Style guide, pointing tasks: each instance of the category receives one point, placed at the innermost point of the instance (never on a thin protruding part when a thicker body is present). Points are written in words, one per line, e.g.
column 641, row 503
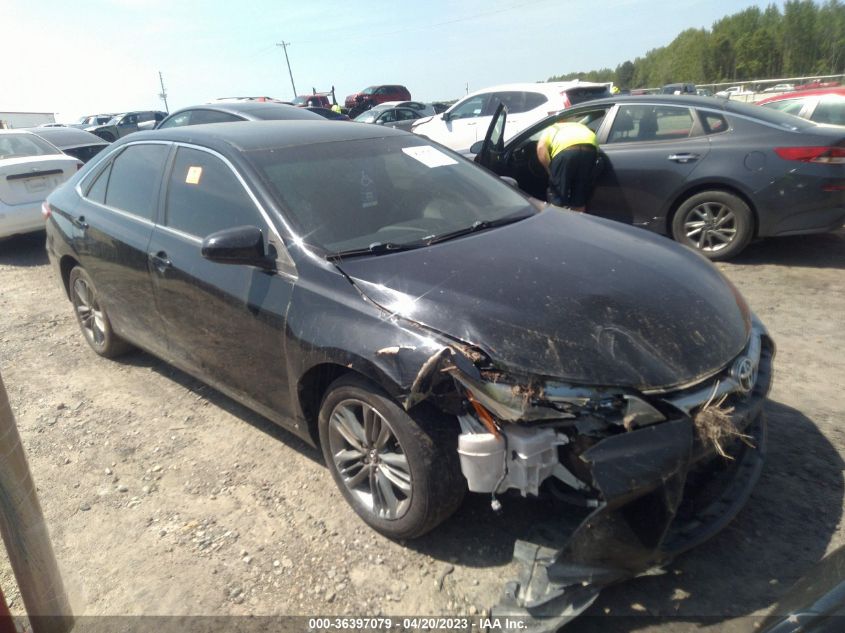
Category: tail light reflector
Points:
column 827, row 155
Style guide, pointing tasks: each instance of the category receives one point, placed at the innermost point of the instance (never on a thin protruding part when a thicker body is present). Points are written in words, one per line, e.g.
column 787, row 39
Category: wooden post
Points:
column 25, row 535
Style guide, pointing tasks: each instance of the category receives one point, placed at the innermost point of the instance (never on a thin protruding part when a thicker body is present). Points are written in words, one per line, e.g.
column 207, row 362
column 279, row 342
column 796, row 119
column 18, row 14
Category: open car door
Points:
column 491, row 148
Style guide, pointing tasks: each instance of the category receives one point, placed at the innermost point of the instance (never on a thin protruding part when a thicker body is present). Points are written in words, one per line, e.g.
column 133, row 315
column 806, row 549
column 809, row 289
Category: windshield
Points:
column 397, row 190
column 369, row 90
column 367, row 117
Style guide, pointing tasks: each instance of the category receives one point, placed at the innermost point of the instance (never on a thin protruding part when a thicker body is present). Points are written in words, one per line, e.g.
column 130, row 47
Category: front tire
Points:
column 92, row 317
column 717, row 224
column 400, row 473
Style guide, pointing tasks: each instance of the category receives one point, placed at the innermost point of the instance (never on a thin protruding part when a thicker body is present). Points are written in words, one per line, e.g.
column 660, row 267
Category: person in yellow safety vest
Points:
column 336, row 108
column 568, row 151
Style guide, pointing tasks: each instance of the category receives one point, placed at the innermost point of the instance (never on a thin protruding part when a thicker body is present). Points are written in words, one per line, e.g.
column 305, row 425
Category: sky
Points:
column 91, row 56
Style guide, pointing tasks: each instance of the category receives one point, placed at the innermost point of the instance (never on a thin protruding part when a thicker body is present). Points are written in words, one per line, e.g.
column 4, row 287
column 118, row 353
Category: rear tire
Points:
column 92, row 317
column 399, row 472
column 717, row 224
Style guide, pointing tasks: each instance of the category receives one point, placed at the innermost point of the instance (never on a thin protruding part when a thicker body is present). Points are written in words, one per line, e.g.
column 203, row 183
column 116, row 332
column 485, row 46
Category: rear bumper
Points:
column 817, row 221
column 20, row 218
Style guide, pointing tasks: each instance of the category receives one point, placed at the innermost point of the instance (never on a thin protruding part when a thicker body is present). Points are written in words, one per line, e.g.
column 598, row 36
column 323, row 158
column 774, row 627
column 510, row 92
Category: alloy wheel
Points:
column 369, row 459
column 88, row 312
column 711, row 226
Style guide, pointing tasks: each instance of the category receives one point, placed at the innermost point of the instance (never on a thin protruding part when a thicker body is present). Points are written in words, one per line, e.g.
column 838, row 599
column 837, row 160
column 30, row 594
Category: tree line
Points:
column 807, row 38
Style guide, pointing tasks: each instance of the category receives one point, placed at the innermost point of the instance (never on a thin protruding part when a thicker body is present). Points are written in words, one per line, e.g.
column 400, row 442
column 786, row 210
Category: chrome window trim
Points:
column 284, row 262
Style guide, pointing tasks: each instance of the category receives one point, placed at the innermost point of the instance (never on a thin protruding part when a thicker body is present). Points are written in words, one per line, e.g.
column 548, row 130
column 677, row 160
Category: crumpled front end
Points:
column 658, row 471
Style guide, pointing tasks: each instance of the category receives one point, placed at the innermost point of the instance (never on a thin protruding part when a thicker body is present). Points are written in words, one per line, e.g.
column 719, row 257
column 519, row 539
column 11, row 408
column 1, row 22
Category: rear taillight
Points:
column 46, row 210
column 566, row 101
column 827, row 155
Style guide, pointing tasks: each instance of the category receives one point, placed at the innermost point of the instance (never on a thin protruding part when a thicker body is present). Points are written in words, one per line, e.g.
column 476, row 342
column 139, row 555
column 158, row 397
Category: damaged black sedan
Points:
column 432, row 330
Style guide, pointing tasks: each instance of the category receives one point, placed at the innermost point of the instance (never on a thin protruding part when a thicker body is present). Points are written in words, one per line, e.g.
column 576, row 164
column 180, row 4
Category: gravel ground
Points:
column 164, row 497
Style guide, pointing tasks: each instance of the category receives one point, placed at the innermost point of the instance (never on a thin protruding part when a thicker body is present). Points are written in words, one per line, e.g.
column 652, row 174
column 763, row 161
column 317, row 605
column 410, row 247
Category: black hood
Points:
column 571, row 297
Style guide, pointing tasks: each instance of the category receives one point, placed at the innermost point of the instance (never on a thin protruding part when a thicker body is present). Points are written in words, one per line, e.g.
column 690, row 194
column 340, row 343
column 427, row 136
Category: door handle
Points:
column 683, row 158
column 80, row 222
column 160, row 261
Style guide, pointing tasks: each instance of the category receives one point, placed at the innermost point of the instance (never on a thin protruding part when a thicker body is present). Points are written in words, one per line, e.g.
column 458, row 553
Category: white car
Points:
column 781, row 88
column 734, row 91
column 467, row 120
column 30, row 168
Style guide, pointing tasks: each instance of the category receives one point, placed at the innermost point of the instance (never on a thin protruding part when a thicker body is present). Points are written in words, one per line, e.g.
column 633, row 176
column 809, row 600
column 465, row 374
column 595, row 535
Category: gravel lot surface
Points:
column 163, row 496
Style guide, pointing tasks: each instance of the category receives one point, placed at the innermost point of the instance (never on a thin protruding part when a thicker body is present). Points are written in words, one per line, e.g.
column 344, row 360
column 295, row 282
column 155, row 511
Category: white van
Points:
column 467, row 120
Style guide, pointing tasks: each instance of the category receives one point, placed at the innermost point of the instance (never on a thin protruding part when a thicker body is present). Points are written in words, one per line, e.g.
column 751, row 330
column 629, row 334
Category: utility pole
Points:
column 163, row 94
column 284, row 46
column 466, row 87
column 24, row 532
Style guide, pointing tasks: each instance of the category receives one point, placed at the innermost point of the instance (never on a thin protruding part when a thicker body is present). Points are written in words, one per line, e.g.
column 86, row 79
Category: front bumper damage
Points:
column 660, row 472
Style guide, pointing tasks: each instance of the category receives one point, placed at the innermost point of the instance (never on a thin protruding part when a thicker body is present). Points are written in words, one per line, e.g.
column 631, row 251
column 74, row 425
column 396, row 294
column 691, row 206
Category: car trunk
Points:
column 30, row 178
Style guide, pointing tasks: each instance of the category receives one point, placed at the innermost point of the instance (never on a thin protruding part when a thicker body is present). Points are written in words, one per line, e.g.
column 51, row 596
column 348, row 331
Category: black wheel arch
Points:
column 313, row 384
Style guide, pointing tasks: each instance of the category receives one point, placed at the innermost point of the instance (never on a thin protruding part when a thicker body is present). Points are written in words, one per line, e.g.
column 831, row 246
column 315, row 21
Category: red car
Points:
column 823, row 105
column 375, row 95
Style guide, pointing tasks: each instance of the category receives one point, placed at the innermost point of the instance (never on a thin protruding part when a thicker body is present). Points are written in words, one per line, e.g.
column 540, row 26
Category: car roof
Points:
column 544, row 87
column 658, row 99
column 248, row 109
column 246, row 136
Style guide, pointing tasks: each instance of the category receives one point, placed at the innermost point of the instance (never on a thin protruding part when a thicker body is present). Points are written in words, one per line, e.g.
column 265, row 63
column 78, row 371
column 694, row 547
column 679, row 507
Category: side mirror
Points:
column 475, row 148
column 239, row 245
column 446, row 116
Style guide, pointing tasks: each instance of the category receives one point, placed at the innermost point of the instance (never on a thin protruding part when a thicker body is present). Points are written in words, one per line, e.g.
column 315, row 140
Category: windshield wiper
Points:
column 478, row 225
column 376, row 248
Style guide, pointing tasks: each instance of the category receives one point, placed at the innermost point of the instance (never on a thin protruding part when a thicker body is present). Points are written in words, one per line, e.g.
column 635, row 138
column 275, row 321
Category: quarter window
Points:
column 135, row 177
column 203, row 196
column 97, row 191
column 713, row 122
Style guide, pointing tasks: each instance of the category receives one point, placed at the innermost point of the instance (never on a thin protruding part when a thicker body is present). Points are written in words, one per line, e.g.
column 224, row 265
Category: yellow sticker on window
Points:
column 194, row 175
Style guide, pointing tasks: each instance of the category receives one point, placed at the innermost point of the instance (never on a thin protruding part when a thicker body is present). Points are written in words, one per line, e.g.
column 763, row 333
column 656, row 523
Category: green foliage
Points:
column 807, row 38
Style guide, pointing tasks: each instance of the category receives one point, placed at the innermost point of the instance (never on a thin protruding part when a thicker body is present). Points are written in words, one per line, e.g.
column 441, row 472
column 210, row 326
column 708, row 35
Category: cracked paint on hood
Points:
column 569, row 296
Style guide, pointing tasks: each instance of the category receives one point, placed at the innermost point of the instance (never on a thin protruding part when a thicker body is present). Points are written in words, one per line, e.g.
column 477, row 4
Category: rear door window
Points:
column 204, row 196
column 135, row 178
column 651, row 123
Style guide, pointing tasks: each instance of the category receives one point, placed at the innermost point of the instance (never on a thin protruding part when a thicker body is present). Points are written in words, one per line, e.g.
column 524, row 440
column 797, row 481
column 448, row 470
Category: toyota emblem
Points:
column 743, row 374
